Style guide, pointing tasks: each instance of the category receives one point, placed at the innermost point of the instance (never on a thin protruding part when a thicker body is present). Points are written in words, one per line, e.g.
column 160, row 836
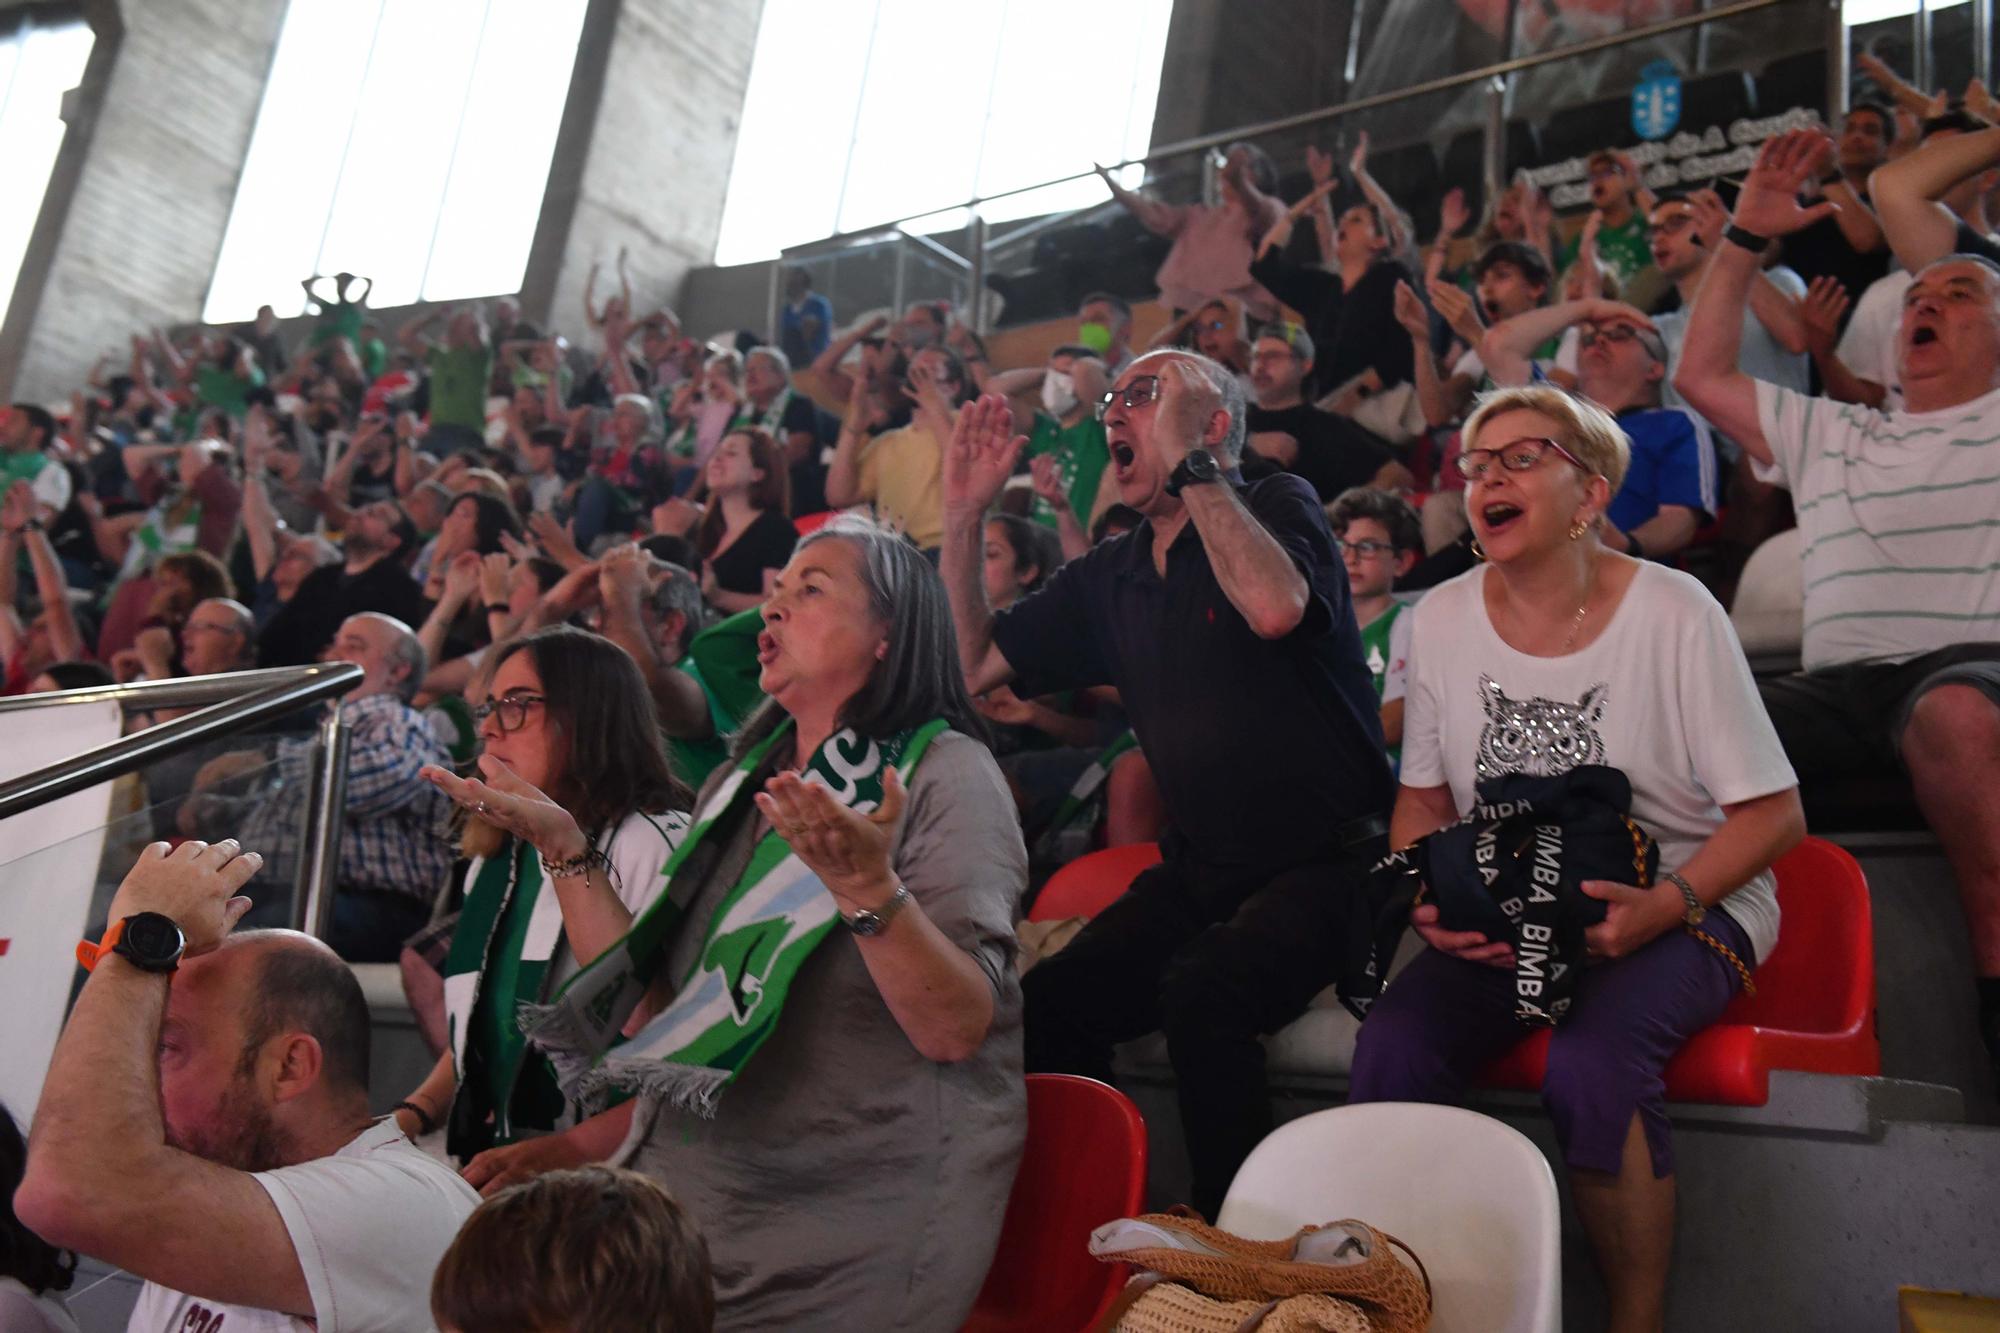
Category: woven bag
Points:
column 1348, row 1259
column 1152, row 1305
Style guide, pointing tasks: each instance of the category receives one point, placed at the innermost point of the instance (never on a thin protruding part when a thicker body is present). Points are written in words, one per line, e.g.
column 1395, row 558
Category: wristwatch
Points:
column 1746, row 238
column 1197, row 469
column 874, row 923
column 149, row 941
column 1695, row 911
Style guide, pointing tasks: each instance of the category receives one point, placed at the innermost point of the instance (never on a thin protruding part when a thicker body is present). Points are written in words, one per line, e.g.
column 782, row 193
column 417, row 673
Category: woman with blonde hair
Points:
column 1554, row 654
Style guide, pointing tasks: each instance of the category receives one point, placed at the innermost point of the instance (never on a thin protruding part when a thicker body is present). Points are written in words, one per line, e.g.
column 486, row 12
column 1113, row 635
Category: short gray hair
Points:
column 405, row 649
column 1227, row 387
column 775, row 355
column 919, row 678
column 680, row 591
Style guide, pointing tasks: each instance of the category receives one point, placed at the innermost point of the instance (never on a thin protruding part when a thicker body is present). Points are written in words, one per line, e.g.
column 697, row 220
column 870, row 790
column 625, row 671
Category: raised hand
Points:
column 1979, row 101
column 980, row 456
column 1319, row 165
column 1188, row 404
column 848, row 850
column 1357, row 161
column 1711, row 217
column 1410, row 313
column 1768, row 203
column 496, row 577
column 1453, row 215
column 1046, row 475
column 621, row 575
column 461, row 578
column 505, row 800
column 1820, row 310
column 194, row 884
column 1458, row 310
column 17, row 507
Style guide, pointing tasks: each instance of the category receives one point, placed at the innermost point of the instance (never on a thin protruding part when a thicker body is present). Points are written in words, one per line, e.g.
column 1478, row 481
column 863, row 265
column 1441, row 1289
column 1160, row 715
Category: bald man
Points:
column 205, row 1122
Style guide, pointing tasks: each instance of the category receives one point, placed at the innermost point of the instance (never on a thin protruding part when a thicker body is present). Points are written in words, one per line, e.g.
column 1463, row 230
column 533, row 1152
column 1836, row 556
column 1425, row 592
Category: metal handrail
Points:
column 283, row 690
column 1203, row 142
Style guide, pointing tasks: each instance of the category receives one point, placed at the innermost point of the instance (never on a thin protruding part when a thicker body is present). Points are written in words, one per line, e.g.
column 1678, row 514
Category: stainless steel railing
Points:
column 227, row 705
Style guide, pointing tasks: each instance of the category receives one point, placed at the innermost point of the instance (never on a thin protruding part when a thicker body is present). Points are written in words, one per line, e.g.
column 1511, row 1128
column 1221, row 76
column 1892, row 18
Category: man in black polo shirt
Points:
column 1225, row 624
column 370, row 578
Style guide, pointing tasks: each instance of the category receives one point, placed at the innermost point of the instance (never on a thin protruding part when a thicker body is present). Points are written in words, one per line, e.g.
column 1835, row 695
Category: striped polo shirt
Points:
column 1901, row 515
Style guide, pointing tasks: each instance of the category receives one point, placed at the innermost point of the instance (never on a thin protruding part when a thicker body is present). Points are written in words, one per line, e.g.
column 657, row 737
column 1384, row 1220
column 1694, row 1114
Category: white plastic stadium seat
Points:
column 1473, row 1197
column 1769, row 613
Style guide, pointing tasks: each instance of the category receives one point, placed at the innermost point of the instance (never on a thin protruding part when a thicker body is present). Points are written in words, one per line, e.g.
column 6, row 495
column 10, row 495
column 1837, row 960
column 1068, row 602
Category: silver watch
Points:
column 1695, row 911
column 874, row 923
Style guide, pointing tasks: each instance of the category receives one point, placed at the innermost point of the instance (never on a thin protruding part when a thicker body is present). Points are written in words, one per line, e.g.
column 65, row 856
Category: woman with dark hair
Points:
column 1020, row 556
column 855, row 871
column 570, row 821
column 746, row 534
column 476, row 522
column 32, row 1271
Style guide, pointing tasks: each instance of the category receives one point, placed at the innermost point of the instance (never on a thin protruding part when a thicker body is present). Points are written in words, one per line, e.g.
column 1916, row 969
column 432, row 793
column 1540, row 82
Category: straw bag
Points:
column 1347, row 1260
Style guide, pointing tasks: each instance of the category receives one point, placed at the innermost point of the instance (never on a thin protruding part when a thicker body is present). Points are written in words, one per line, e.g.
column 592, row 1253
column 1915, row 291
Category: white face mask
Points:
column 1058, row 393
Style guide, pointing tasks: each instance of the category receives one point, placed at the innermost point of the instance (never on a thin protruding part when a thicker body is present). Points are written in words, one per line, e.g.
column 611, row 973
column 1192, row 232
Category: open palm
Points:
column 1768, row 204
column 981, row 454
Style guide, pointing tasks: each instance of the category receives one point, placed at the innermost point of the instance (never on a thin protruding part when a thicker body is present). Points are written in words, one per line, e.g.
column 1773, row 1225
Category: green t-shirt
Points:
column 725, row 658
column 1081, row 457
column 1626, row 249
column 694, row 760
column 342, row 319
column 225, row 389
column 459, row 376
column 1380, row 647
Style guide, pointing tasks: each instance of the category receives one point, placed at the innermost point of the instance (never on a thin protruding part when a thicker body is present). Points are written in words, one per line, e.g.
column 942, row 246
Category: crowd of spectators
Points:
column 1370, row 524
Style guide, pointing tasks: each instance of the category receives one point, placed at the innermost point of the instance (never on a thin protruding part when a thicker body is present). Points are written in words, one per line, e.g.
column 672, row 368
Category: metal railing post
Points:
column 1496, row 139
column 1839, row 69
column 319, row 868
column 896, row 297
column 1920, row 39
column 772, row 300
column 1982, row 41
column 975, row 236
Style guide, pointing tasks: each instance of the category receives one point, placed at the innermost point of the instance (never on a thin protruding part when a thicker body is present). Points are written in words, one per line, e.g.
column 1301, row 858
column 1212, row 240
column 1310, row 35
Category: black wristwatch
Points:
column 1746, row 238
column 1197, row 469
column 150, row 942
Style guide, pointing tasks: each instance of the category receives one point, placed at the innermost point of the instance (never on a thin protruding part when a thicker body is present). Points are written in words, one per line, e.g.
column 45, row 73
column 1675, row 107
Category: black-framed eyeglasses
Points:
column 1515, row 456
column 511, row 711
column 1366, row 548
column 1138, row 393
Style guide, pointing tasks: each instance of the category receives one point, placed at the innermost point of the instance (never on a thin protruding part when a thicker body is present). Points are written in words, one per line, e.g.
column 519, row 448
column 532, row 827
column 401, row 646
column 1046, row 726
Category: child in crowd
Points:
column 1380, row 539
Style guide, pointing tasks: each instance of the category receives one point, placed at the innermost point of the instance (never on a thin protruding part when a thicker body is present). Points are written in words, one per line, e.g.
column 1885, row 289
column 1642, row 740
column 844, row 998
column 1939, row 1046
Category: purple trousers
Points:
column 1442, row 1020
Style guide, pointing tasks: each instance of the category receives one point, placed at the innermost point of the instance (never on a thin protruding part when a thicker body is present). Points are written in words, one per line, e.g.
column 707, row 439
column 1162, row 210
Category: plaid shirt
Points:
column 394, row 833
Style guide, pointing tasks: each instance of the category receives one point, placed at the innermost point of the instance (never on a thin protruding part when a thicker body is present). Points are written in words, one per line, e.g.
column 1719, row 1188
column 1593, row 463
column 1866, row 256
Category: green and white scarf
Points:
column 501, row 952
column 762, row 932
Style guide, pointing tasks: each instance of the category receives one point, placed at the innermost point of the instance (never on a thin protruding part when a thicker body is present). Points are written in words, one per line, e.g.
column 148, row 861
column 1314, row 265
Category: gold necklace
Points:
column 1582, row 609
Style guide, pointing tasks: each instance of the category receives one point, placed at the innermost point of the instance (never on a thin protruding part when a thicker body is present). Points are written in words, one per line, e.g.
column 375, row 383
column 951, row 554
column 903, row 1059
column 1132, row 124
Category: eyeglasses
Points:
column 1611, row 333
column 1365, row 549
column 511, row 711
column 1515, row 456
column 1136, row 394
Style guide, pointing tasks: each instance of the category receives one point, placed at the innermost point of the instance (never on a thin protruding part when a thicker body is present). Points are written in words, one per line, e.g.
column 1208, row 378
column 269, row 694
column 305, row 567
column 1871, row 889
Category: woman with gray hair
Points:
column 855, row 870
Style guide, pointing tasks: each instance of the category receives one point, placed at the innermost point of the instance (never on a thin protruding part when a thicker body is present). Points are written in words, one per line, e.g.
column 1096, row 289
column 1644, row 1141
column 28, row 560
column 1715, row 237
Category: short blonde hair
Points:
column 1584, row 428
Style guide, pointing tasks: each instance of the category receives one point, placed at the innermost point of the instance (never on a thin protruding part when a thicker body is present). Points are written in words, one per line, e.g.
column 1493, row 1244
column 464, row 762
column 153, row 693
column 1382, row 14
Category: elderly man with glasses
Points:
column 1621, row 365
column 1225, row 622
column 394, row 854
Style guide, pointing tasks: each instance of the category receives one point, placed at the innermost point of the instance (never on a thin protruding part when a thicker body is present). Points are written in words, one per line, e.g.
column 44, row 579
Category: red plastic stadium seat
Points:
column 808, row 522
column 1089, row 884
column 1084, row 1165
column 1814, row 1009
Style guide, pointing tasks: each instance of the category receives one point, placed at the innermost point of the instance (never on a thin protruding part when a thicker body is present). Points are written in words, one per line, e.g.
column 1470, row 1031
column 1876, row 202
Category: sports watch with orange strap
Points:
column 147, row 940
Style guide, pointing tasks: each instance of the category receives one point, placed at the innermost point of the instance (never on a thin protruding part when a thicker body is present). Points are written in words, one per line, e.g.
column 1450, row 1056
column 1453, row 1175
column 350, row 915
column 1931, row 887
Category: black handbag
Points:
column 1513, row 870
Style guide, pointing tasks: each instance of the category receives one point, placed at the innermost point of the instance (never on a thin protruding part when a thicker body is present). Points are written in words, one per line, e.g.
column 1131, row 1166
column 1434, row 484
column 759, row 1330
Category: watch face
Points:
column 864, row 923
column 151, row 937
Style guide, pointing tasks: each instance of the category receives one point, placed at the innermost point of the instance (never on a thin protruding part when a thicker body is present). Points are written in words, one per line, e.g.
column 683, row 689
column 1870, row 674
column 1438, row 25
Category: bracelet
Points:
column 579, row 864
column 426, row 1123
column 1749, row 240
column 496, row 608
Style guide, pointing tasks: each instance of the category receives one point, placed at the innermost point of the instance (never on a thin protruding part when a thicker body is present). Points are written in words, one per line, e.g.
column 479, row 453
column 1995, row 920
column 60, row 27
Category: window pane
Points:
column 404, row 140
column 493, row 200
column 35, row 72
column 279, row 218
column 1036, row 88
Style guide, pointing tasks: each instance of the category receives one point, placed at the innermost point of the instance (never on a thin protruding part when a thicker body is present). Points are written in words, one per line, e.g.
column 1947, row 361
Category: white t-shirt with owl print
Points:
column 1663, row 694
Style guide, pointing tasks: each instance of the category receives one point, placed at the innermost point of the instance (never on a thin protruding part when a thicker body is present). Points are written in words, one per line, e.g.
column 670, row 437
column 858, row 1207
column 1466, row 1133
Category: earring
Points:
column 1478, row 553
column 1577, row 529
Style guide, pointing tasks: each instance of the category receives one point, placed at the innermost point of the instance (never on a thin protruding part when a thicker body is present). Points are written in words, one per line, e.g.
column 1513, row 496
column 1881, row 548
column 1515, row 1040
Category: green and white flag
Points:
column 762, row 932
